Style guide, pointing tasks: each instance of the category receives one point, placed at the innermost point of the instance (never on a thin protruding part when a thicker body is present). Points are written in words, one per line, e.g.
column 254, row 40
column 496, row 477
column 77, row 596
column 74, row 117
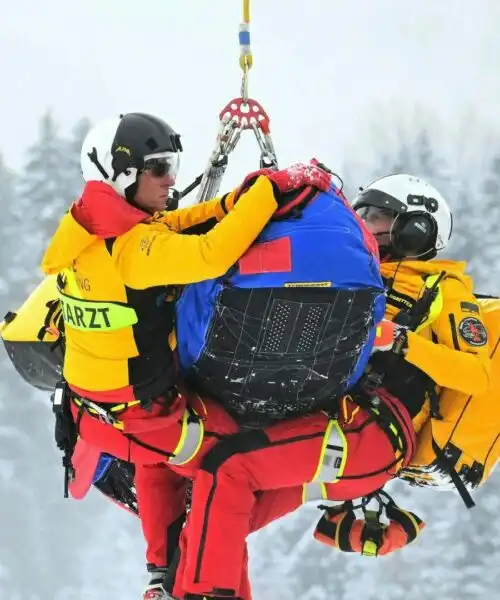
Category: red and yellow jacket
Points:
column 116, row 290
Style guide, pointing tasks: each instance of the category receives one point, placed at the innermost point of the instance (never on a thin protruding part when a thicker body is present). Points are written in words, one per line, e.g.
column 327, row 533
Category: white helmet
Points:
column 116, row 150
column 423, row 221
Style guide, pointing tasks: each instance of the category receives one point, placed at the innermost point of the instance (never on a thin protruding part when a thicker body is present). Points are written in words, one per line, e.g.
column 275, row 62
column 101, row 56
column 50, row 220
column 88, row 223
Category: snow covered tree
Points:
column 74, row 144
column 8, row 201
column 476, row 215
column 47, row 184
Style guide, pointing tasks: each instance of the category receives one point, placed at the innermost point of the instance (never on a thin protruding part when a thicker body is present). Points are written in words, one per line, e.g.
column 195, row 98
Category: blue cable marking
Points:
column 244, row 37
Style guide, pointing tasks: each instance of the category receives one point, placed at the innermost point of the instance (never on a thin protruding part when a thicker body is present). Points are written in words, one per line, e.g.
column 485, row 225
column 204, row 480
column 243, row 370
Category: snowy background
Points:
column 368, row 86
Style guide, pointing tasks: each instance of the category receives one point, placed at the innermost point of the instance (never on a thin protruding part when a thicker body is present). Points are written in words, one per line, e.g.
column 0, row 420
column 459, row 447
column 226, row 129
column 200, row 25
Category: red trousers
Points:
column 160, row 487
column 226, row 506
column 269, row 506
column 238, row 480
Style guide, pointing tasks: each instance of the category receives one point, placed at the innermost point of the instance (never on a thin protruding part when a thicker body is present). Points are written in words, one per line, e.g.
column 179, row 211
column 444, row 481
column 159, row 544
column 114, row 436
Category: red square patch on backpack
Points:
column 267, row 257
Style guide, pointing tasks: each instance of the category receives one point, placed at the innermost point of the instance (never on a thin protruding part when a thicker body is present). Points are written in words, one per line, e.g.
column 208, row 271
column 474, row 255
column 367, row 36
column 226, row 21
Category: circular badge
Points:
column 473, row 331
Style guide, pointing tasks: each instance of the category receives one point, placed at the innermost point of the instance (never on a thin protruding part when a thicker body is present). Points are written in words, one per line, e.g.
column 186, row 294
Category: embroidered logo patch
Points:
column 473, row 331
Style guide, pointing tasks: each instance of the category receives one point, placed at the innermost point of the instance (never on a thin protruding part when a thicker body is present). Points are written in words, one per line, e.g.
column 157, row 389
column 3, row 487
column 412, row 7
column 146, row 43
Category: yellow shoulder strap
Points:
column 437, row 304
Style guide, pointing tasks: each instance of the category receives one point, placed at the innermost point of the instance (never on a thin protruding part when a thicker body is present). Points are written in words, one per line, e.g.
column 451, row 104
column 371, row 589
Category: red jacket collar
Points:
column 104, row 213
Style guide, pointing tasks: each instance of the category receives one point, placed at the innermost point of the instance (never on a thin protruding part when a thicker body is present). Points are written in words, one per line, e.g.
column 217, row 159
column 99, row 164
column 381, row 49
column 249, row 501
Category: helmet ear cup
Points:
column 414, row 234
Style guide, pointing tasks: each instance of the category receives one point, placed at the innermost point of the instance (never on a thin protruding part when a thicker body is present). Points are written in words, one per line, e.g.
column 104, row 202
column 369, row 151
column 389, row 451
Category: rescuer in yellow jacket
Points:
column 118, row 256
column 435, row 348
column 446, row 343
column 119, row 261
column 433, row 344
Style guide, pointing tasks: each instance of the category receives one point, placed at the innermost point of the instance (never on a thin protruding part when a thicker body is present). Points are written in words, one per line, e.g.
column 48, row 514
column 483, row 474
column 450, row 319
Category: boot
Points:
column 155, row 589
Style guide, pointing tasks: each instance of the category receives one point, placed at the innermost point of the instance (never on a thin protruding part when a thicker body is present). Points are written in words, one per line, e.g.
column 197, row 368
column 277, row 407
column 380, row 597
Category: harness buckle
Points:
column 99, row 412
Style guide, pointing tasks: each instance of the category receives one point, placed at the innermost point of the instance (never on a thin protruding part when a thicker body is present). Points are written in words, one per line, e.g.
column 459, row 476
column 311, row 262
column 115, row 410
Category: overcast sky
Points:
column 324, row 69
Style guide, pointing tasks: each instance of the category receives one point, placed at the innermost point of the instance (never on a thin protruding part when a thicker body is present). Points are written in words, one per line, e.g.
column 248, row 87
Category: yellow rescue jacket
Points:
column 440, row 349
column 454, row 347
column 115, row 293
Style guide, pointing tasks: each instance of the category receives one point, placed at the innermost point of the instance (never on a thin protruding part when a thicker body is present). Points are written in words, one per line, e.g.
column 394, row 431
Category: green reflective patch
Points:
column 87, row 315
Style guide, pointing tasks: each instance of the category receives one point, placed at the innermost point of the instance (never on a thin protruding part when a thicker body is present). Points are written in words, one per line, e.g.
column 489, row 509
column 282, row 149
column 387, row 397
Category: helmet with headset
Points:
column 420, row 218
